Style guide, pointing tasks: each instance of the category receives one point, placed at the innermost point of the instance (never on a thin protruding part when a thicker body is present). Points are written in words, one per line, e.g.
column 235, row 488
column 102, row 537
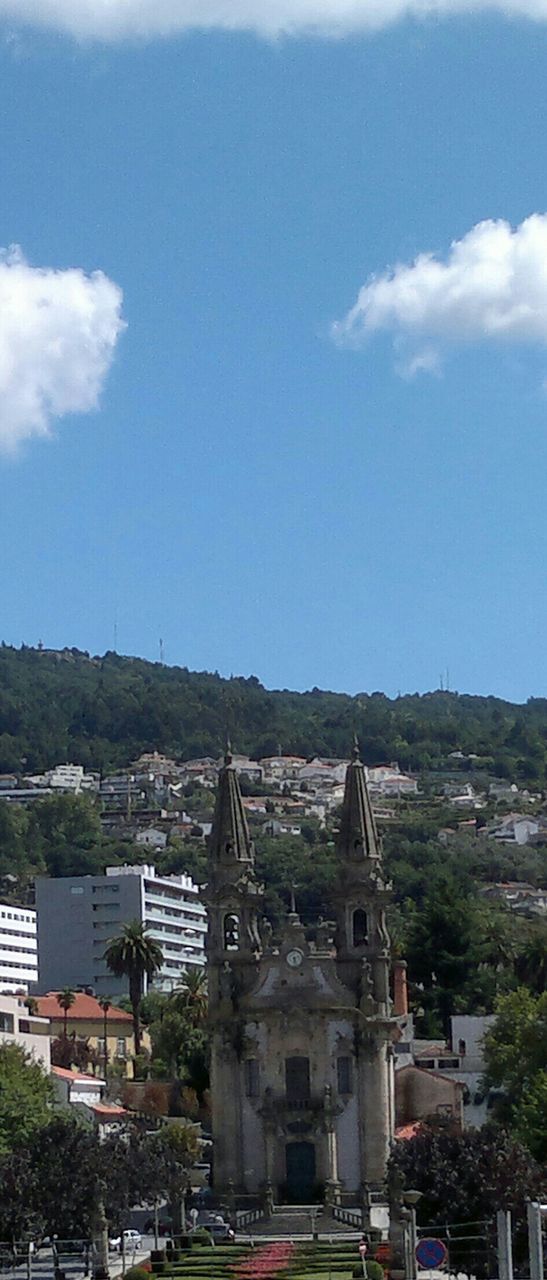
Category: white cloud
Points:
column 491, row 286
column 58, row 331
column 116, row 19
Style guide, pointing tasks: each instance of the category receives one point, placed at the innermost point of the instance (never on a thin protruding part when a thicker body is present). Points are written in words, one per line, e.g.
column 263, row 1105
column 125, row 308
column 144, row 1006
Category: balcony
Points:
column 279, row 1103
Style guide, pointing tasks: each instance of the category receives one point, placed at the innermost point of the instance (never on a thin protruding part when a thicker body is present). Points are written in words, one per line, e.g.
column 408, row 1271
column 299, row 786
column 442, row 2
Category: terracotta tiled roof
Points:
column 65, row 1074
column 108, row 1109
column 85, row 1008
column 407, row 1131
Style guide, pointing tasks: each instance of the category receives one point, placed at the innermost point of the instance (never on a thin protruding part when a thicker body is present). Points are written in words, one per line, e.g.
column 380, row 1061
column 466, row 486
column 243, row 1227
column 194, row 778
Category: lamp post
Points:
column 410, row 1200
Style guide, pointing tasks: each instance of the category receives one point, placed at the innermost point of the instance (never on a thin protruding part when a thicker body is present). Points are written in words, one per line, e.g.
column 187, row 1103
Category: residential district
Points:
column 317, row 1068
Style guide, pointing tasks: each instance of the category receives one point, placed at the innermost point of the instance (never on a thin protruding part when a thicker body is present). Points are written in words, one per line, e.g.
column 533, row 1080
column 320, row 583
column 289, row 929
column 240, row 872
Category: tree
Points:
column 56, row 1180
column 531, row 959
column 73, row 1052
column 529, row 1116
column 179, row 1147
column 515, row 1053
column 466, row 1177
column 105, row 1004
column 191, row 996
column 134, row 955
column 66, row 832
column 25, row 1096
column 65, row 1000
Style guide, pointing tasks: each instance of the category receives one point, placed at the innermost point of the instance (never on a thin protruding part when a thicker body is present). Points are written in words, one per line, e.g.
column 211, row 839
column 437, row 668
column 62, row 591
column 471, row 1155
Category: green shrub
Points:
column 375, row 1271
column 201, row 1237
column 137, row 1273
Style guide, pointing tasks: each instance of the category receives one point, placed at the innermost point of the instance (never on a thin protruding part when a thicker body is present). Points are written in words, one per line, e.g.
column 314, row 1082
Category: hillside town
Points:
column 59, row 942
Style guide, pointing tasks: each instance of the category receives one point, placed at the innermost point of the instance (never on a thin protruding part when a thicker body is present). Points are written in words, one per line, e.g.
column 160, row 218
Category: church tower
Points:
column 233, row 898
column 363, row 964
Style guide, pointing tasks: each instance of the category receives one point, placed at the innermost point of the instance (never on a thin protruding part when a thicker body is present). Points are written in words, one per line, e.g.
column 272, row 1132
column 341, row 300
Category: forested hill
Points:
column 102, row 712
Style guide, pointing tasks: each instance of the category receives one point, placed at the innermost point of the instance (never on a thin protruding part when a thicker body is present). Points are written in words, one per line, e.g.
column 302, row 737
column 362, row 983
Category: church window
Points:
column 297, row 1079
column 360, row 927
column 343, row 1066
column 252, row 1078
column 231, row 932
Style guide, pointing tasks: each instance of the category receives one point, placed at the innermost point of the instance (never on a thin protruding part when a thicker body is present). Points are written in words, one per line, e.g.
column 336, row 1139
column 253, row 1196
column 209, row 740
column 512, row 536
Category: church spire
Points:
column 230, row 841
column 357, row 835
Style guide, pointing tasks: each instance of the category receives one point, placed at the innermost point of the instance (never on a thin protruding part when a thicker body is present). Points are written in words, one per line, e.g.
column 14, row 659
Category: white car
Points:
column 131, row 1242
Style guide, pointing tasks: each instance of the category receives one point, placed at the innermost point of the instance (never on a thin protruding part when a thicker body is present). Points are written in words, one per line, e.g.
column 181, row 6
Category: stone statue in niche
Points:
column 226, row 983
column 367, row 1001
column 266, row 933
column 323, row 934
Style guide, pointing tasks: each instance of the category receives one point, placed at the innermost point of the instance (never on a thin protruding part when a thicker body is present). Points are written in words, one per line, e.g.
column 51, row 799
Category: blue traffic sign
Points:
column 431, row 1254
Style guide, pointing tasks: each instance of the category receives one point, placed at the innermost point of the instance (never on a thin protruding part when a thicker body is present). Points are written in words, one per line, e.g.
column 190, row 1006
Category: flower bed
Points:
column 269, row 1261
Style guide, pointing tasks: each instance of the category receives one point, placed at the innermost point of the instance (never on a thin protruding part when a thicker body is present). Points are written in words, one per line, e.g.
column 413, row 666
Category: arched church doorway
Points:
column 300, row 1169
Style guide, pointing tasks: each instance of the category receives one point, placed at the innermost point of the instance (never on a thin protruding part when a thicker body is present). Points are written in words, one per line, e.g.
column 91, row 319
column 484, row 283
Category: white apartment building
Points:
column 79, row 915
column 18, row 948
column 175, row 917
column 19, row 1026
column 72, row 778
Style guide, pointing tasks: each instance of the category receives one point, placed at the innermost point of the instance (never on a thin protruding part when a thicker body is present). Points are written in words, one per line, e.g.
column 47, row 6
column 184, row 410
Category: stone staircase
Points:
column 289, row 1222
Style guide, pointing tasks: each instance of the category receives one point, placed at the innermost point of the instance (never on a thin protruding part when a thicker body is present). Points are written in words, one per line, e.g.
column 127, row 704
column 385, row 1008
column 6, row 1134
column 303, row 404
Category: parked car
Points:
column 132, row 1240
column 222, row 1232
column 215, row 1224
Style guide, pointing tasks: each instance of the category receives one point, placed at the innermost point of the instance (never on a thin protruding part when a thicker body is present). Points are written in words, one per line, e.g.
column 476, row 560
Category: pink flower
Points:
column 267, row 1261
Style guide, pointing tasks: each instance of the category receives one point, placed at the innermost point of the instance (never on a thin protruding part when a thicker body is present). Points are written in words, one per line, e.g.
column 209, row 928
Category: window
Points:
column 297, row 1079
column 448, row 1064
column 24, row 1026
column 101, row 1045
column 343, row 1067
column 360, row 927
column 76, row 889
column 121, row 1047
column 6, row 1022
column 252, row 1078
column 426, row 1063
column 231, row 932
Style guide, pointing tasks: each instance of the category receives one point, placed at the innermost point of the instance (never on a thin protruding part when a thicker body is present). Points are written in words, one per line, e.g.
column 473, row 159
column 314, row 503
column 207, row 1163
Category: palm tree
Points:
column 65, row 1000
column 191, row 997
column 531, row 961
column 105, row 1006
column 134, row 955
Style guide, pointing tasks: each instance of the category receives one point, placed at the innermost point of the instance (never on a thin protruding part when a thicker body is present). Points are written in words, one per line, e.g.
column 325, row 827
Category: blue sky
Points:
column 265, row 498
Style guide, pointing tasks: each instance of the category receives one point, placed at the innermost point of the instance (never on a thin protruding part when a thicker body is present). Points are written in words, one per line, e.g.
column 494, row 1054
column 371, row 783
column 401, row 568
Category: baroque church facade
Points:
column 302, row 1032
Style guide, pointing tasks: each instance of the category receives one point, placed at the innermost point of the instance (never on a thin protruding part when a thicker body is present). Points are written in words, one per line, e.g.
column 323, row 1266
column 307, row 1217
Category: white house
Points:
column 152, row 838
column 461, row 1059
column 86, row 1094
column 515, row 828
column 282, row 827
column 19, row 1026
column 387, row 780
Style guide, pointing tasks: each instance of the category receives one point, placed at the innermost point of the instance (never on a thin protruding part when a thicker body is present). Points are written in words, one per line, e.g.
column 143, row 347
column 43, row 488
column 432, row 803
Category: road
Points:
column 73, row 1265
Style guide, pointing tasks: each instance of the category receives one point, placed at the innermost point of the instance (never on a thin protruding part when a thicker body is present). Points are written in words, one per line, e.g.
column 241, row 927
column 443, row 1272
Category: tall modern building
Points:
column 78, row 916
column 18, row 948
column 302, row 1031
